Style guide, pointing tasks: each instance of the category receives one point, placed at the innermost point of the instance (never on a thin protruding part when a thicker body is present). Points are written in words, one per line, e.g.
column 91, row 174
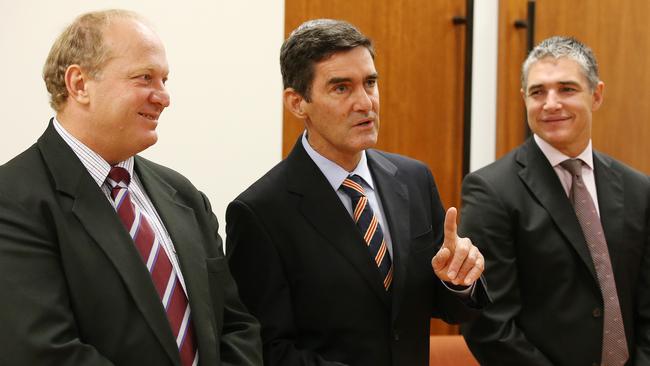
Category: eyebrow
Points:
column 561, row 83
column 338, row 80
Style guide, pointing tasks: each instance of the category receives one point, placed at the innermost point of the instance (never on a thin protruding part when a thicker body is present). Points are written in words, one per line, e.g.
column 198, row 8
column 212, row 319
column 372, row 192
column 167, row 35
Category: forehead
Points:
column 132, row 41
column 354, row 63
column 550, row 70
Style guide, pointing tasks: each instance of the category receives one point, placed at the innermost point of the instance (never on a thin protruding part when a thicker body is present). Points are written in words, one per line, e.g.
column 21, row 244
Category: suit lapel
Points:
column 609, row 186
column 322, row 208
column 541, row 179
column 182, row 226
column 99, row 220
column 394, row 199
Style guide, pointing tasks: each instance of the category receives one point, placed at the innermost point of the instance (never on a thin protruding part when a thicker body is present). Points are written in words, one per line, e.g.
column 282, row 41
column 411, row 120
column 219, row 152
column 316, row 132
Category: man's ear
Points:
column 294, row 102
column 598, row 94
column 76, row 82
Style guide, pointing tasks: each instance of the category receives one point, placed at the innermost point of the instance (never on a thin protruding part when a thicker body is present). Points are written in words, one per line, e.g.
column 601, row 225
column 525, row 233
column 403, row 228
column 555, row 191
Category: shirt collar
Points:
column 555, row 157
column 93, row 162
column 333, row 172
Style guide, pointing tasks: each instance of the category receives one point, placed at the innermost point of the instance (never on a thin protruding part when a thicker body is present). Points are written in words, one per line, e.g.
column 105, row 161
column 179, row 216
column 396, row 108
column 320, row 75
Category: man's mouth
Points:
column 555, row 119
column 365, row 122
column 153, row 117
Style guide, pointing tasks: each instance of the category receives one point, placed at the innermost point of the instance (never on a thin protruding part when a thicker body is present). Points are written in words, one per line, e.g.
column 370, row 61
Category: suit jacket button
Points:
column 597, row 313
column 396, row 336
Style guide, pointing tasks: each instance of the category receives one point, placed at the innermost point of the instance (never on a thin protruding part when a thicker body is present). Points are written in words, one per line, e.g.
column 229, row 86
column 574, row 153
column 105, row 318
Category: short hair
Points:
column 558, row 47
column 80, row 43
column 314, row 41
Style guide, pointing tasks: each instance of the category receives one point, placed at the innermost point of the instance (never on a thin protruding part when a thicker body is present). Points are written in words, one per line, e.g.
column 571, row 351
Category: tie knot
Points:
column 574, row 166
column 352, row 186
column 118, row 175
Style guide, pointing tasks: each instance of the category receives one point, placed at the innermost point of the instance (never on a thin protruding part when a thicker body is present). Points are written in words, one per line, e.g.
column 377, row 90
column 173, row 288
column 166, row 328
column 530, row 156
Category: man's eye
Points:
column 340, row 88
column 371, row 83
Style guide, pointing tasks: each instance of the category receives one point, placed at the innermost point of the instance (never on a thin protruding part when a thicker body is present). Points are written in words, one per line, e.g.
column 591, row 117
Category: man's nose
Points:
column 362, row 101
column 161, row 96
column 552, row 101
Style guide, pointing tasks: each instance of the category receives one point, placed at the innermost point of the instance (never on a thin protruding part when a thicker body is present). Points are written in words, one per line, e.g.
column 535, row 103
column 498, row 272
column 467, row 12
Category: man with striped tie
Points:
column 107, row 258
column 335, row 249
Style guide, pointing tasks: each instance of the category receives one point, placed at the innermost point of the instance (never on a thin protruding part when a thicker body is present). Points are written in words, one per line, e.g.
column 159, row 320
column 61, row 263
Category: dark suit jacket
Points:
column 547, row 307
column 75, row 291
column 303, row 268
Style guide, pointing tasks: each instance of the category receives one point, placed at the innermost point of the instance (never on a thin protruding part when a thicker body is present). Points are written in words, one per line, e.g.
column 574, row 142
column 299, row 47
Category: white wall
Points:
column 484, row 83
column 224, row 126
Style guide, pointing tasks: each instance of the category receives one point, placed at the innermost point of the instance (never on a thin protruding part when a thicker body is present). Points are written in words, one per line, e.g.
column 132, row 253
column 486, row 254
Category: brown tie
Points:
column 614, row 343
column 370, row 228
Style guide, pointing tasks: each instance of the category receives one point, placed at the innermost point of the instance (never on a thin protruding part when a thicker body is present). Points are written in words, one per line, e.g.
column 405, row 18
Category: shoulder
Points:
column 147, row 167
column 633, row 179
column 397, row 162
column 154, row 174
column 397, row 159
column 23, row 174
column 268, row 186
column 502, row 169
column 620, row 167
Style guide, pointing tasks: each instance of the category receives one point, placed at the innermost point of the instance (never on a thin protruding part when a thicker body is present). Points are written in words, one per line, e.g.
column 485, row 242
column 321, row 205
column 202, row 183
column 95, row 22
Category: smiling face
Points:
column 128, row 95
column 342, row 118
column 559, row 103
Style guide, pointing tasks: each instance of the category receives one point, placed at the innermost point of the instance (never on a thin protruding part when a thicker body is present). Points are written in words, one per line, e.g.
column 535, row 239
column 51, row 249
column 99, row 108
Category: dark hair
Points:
column 311, row 42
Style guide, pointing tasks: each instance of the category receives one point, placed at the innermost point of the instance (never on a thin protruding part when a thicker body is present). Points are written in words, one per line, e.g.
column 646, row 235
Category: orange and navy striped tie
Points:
column 370, row 228
column 160, row 267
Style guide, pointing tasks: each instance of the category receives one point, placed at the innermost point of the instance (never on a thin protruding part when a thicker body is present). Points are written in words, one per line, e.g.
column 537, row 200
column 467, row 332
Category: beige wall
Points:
column 223, row 128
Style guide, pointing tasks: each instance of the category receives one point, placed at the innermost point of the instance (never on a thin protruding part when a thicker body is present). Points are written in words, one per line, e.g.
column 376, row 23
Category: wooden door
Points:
column 511, row 113
column 619, row 34
column 420, row 61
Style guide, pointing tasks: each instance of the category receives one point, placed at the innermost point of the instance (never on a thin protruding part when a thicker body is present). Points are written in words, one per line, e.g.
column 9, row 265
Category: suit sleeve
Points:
column 493, row 335
column 642, row 331
column 38, row 325
column 240, row 335
column 264, row 288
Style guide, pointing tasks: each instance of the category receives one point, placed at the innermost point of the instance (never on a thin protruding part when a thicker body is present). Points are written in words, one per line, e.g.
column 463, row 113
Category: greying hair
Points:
column 314, row 41
column 81, row 43
column 557, row 47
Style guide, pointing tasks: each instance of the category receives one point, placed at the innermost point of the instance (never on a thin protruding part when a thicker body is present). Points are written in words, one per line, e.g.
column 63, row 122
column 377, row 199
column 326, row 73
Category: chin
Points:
column 367, row 145
column 148, row 142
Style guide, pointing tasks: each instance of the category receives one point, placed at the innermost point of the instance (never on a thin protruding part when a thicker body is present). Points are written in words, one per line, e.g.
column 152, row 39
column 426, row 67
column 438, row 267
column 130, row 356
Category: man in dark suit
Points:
column 564, row 229
column 86, row 285
column 325, row 293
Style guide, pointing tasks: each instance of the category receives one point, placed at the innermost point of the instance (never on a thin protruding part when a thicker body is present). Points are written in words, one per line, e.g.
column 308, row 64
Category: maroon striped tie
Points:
column 369, row 226
column 155, row 258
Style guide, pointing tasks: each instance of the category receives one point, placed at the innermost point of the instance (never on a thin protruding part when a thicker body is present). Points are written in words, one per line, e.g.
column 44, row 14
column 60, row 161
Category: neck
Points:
column 81, row 128
column 346, row 161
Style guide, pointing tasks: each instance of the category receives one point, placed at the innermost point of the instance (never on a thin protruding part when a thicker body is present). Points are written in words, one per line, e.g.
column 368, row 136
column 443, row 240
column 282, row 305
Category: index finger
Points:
column 450, row 225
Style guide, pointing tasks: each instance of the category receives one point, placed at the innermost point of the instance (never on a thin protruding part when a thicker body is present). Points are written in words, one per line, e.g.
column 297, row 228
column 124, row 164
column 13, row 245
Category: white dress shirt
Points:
column 98, row 168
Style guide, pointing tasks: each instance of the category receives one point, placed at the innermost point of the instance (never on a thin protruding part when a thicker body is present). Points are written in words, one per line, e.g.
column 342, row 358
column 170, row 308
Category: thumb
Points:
column 439, row 261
